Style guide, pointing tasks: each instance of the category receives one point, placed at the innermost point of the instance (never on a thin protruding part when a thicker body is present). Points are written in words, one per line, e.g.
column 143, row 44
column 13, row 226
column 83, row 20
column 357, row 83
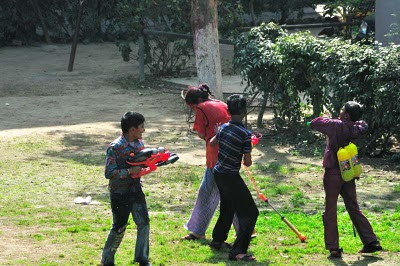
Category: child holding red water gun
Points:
column 126, row 193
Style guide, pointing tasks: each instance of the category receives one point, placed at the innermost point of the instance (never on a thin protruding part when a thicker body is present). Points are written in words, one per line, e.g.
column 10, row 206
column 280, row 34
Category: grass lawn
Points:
column 40, row 176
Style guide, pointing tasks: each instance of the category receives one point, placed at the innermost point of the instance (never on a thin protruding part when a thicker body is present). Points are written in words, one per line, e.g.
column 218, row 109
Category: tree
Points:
column 42, row 22
column 349, row 10
column 206, row 44
column 287, row 7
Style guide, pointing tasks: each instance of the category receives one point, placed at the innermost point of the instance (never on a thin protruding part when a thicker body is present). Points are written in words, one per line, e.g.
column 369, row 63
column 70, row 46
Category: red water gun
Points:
column 255, row 138
column 149, row 159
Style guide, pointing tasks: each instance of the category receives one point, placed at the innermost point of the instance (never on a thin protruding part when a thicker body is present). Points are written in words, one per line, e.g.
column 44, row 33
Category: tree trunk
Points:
column 262, row 110
column 99, row 31
column 75, row 41
column 253, row 16
column 206, row 44
column 284, row 15
column 42, row 22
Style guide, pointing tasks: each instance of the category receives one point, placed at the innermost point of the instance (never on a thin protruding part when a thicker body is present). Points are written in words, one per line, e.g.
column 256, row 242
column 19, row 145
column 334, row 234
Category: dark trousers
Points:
column 122, row 206
column 235, row 198
column 333, row 186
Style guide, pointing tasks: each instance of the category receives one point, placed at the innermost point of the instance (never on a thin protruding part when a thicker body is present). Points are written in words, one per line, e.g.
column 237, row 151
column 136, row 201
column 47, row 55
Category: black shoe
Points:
column 336, row 252
column 144, row 264
column 371, row 247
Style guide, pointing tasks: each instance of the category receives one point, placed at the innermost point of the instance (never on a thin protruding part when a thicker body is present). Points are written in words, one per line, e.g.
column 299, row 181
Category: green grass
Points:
column 40, row 178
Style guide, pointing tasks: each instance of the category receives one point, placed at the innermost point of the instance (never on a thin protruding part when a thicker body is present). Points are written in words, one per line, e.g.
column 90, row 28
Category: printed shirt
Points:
column 208, row 114
column 116, row 169
column 234, row 141
column 339, row 134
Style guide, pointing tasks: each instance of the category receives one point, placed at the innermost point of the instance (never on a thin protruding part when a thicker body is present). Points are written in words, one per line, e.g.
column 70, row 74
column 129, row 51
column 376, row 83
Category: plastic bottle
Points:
column 345, row 165
column 352, row 149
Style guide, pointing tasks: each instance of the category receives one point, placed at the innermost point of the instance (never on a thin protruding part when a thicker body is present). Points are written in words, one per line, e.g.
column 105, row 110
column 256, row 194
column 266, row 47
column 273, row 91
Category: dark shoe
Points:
column 336, row 252
column 191, row 237
column 245, row 257
column 144, row 264
column 372, row 247
column 218, row 245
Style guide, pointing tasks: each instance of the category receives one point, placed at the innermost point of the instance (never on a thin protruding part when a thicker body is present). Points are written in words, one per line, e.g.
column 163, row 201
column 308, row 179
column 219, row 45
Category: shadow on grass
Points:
column 82, row 148
column 365, row 260
column 222, row 255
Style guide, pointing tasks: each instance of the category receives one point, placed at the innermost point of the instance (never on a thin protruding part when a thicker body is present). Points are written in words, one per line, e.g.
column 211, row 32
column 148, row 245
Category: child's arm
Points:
column 112, row 170
column 247, row 150
column 214, row 140
column 200, row 123
column 247, row 159
column 324, row 125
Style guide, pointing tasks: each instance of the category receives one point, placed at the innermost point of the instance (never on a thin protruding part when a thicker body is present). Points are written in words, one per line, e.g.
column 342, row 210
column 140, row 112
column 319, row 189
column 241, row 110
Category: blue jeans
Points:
column 122, row 205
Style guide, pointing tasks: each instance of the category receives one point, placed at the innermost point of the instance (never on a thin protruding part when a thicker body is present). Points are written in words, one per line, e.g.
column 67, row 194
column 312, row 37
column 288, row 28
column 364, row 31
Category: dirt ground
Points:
column 38, row 97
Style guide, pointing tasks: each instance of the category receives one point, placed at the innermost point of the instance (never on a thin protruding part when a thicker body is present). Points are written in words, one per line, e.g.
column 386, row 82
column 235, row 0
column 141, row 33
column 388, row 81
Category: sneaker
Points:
column 336, row 252
column 371, row 247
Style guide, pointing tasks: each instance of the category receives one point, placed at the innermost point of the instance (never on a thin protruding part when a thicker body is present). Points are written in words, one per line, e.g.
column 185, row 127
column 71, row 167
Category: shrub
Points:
column 325, row 73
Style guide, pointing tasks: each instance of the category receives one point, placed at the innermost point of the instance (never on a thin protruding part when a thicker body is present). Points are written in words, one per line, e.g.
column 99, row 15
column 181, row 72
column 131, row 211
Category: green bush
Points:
column 288, row 69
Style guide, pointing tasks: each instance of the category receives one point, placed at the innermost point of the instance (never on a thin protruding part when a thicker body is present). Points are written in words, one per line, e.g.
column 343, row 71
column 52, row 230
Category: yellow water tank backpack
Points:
column 349, row 163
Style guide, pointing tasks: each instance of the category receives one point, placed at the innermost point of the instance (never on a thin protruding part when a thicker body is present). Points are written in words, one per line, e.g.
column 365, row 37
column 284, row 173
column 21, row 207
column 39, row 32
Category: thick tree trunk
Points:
column 42, row 22
column 206, row 44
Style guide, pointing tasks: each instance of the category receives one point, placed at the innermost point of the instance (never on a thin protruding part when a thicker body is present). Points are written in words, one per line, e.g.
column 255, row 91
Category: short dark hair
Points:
column 354, row 109
column 195, row 93
column 131, row 119
column 236, row 104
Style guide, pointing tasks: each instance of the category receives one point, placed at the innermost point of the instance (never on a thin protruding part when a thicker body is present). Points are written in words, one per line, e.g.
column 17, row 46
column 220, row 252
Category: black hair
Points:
column 354, row 109
column 236, row 104
column 131, row 119
column 195, row 93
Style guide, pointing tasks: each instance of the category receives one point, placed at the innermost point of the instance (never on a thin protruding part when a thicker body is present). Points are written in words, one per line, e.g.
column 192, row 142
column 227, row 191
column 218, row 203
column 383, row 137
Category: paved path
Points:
column 230, row 84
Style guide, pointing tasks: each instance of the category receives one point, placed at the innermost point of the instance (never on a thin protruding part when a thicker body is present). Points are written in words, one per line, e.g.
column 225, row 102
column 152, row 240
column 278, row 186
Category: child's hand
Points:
column 216, row 127
column 247, row 159
column 134, row 170
column 326, row 114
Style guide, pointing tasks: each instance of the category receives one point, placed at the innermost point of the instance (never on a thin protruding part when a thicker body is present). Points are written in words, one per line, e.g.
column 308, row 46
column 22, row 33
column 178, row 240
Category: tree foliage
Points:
column 298, row 69
column 19, row 20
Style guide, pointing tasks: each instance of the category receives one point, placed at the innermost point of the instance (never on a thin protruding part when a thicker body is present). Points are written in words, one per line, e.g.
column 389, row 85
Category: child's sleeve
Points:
column 247, row 144
column 324, row 125
column 200, row 122
column 111, row 169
